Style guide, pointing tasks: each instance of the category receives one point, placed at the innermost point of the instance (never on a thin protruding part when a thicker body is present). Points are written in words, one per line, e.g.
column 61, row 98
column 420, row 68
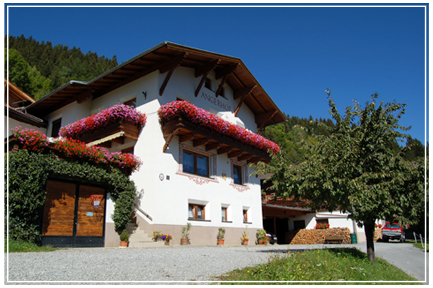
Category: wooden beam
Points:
column 186, row 137
column 242, row 92
column 83, row 97
column 204, row 70
column 167, row 142
column 244, row 157
column 213, row 146
column 234, row 154
column 266, row 120
column 200, row 142
column 224, row 150
column 170, row 66
column 224, row 74
column 254, row 160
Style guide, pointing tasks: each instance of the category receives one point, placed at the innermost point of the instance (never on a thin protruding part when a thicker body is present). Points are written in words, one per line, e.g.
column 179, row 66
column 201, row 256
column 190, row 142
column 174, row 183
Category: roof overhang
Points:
column 165, row 57
column 270, row 210
column 25, row 118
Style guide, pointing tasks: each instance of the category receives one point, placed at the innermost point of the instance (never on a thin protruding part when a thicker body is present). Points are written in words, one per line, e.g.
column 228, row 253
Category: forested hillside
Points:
column 289, row 135
column 38, row 67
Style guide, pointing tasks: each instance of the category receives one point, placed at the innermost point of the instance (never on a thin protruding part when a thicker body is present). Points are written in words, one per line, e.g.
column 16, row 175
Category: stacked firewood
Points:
column 377, row 234
column 316, row 236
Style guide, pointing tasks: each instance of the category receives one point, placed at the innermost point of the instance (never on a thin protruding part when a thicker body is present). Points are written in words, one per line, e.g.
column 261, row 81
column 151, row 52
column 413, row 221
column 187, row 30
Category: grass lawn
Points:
column 341, row 264
column 418, row 244
column 23, row 246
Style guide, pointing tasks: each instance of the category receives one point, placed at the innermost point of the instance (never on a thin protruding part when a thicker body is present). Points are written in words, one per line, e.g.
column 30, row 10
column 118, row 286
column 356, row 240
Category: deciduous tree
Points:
column 352, row 169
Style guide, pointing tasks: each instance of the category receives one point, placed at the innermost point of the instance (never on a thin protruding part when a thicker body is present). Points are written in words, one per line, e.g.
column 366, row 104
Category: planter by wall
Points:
column 123, row 244
column 184, row 241
column 220, row 241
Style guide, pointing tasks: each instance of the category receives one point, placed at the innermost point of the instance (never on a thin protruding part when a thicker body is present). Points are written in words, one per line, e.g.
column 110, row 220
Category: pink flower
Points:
column 204, row 118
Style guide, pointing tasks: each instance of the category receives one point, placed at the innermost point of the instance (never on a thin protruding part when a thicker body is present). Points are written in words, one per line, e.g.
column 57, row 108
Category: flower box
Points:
column 130, row 130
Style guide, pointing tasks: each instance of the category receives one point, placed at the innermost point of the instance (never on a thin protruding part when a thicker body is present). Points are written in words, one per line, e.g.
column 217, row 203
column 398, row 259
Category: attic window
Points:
column 56, row 127
column 131, row 103
column 208, row 84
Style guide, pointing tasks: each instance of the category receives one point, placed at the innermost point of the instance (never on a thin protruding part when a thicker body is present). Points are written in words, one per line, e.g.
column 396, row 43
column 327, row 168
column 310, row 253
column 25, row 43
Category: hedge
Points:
column 25, row 191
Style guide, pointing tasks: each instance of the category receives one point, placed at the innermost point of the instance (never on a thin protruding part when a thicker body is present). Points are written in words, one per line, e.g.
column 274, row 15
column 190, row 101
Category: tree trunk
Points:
column 369, row 235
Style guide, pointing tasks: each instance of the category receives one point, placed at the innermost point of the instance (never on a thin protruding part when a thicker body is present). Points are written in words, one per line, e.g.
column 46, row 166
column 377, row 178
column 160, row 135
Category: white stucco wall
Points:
column 166, row 201
column 14, row 123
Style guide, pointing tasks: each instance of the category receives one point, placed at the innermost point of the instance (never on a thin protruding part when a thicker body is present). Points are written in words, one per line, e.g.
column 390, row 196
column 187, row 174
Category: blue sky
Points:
column 294, row 52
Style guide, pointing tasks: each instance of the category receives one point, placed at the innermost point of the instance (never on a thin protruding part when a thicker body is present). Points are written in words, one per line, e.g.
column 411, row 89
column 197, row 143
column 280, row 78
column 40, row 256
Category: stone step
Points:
column 147, row 244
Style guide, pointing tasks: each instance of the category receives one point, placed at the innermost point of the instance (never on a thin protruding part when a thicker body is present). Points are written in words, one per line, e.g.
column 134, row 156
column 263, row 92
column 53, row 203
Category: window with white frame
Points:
column 196, row 161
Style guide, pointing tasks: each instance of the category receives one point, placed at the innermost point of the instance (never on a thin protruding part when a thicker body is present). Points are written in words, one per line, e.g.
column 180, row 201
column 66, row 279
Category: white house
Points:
column 190, row 174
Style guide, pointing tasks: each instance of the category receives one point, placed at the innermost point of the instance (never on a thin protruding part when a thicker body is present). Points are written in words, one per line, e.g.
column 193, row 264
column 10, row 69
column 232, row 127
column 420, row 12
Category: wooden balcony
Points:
column 112, row 133
column 210, row 140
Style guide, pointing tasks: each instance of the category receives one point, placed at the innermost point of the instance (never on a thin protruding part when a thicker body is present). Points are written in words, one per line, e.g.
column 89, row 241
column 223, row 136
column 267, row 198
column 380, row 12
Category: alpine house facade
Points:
column 203, row 112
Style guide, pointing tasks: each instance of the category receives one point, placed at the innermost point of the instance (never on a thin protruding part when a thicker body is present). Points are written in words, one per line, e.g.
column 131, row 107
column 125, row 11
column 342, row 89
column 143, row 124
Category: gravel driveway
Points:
column 174, row 264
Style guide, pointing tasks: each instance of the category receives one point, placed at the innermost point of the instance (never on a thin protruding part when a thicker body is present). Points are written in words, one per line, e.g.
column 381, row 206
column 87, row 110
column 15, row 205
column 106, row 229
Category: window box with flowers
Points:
column 119, row 118
column 322, row 226
column 178, row 115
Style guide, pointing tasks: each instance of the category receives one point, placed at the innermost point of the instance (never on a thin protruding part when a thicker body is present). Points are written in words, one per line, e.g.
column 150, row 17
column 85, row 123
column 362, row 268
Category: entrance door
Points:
column 71, row 218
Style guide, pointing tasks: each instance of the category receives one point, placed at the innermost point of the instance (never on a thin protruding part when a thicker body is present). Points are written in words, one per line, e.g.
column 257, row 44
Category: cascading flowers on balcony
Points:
column 204, row 118
column 36, row 141
column 102, row 119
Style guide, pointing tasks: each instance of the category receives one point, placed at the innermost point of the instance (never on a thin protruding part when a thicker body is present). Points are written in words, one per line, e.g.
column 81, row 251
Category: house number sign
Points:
column 161, row 176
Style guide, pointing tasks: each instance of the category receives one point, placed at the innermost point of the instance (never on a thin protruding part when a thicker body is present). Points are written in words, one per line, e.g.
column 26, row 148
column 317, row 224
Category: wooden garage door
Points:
column 71, row 217
column 59, row 209
column 90, row 219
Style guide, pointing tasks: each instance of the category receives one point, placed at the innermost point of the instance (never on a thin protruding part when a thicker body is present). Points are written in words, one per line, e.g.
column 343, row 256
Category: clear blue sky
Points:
column 294, row 52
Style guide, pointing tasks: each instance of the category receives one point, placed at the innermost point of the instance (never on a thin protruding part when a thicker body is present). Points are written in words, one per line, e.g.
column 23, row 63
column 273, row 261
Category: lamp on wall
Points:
column 144, row 94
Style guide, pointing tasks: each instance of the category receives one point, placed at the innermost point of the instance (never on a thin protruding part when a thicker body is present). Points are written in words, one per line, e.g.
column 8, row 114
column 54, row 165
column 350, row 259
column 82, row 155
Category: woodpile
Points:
column 316, row 236
column 377, row 234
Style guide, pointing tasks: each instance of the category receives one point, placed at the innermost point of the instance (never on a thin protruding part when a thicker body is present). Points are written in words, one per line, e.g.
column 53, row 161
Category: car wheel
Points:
column 385, row 239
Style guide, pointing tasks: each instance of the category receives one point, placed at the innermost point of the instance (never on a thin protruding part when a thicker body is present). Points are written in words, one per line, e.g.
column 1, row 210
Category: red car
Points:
column 392, row 231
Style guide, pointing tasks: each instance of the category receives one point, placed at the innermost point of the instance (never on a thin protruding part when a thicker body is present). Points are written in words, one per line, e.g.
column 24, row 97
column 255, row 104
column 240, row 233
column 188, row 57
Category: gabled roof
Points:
column 165, row 57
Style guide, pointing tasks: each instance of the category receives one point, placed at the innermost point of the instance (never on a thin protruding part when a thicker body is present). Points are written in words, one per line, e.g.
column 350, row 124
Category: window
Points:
column 322, row 221
column 299, row 224
column 196, row 212
column 131, row 103
column 195, row 163
column 245, row 214
column 56, row 127
column 237, row 174
column 208, row 84
column 222, row 94
column 224, row 214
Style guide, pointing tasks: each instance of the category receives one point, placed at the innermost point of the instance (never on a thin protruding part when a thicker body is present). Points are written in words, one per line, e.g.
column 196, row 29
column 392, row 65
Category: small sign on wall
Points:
column 89, row 214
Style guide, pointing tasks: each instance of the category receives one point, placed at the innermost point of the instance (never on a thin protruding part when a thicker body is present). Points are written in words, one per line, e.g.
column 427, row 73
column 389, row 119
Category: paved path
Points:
column 183, row 263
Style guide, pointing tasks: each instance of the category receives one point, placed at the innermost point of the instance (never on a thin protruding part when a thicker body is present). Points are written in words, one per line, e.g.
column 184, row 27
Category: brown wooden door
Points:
column 90, row 219
column 59, row 209
column 70, row 217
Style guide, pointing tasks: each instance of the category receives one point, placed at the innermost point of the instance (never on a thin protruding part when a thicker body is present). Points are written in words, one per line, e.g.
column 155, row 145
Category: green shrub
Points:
column 124, row 236
column 25, row 191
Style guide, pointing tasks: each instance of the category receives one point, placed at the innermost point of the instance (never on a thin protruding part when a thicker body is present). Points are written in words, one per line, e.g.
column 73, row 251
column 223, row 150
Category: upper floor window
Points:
column 195, row 163
column 208, row 83
column 237, row 174
column 245, row 215
column 56, row 127
column 132, row 103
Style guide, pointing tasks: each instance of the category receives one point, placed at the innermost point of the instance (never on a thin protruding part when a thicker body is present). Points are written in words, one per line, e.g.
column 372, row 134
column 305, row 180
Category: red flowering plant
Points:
column 102, row 119
column 36, row 141
column 206, row 119
column 30, row 139
column 95, row 154
column 322, row 226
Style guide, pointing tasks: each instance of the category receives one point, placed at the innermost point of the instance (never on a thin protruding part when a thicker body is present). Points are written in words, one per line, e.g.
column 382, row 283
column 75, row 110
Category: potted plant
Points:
column 245, row 237
column 156, row 235
column 220, row 236
column 184, row 238
column 166, row 238
column 261, row 237
column 124, row 237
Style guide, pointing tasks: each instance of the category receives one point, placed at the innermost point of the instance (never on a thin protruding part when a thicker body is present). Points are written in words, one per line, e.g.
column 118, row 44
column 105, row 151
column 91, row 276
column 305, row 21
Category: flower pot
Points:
column 184, row 241
column 220, row 241
column 262, row 242
column 245, row 242
column 166, row 242
column 123, row 244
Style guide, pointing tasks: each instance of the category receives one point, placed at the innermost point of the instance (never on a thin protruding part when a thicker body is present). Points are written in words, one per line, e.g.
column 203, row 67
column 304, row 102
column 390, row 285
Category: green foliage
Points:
column 353, row 169
column 124, row 236
column 38, row 68
column 345, row 265
column 185, row 231
column 24, row 246
column 221, row 233
column 28, row 173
